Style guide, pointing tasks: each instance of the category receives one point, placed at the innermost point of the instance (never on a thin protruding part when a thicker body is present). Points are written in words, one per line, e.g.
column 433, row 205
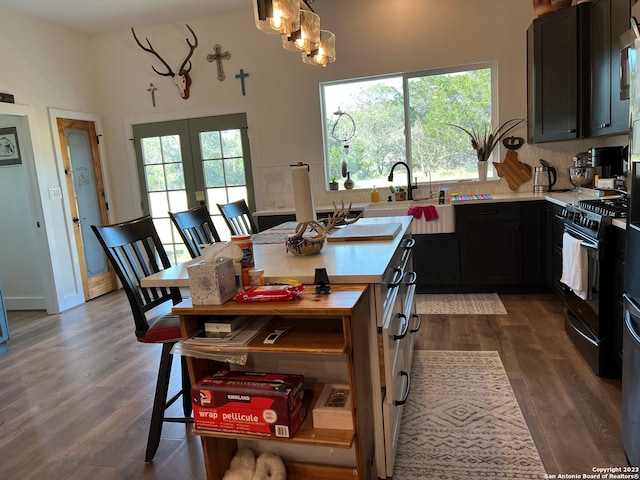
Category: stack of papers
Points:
column 241, row 336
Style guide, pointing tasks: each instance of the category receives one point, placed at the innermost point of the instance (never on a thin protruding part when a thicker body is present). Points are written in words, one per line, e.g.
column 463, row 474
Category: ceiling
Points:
column 101, row 16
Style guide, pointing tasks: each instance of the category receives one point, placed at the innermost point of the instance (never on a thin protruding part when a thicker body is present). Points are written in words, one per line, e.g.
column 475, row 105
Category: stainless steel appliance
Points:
column 590, row 321
column 630, row 418
column 545, row 177
column 609, row 162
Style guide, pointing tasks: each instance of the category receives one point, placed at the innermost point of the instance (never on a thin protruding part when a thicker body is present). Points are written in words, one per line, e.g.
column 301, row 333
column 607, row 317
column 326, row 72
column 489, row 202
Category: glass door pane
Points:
column 165, row 178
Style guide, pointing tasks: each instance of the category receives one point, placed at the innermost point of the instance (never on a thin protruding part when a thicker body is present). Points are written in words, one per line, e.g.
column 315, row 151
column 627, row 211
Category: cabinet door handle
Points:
column 406, row 375
column 571, row 130
column 413, row 278
column 397, row 277
column 405, row 327
column 604, row 125
column 407, row 243
column 416, row 316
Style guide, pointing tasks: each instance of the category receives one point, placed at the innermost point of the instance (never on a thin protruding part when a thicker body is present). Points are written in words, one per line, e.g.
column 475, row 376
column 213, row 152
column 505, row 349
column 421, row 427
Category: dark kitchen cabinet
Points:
column 534, row 241
column 436, row 261
column 554, row 249
column 608, row 19
column 557, row 80
column 490, row 243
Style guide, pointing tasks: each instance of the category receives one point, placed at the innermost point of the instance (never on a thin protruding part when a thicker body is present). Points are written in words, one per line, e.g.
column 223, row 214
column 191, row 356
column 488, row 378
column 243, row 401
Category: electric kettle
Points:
column 545, row 177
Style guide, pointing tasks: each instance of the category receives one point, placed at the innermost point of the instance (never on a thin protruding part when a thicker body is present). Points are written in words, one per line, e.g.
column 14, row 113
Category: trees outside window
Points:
column 404, row 117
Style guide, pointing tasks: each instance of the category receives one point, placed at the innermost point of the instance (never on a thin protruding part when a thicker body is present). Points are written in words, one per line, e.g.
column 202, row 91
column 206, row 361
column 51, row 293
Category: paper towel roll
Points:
column 305, row 211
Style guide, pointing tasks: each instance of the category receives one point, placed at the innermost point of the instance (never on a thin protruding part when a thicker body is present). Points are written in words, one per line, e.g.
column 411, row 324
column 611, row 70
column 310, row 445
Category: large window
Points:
column 406, row 117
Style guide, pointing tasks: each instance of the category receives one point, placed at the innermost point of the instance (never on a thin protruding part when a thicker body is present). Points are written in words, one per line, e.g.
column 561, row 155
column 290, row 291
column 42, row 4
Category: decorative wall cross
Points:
column 242, row 76
column 152, row 89
column 218, row 57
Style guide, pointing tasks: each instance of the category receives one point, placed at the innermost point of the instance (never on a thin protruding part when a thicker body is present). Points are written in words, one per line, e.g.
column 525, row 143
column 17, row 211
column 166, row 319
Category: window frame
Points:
column 405, row 78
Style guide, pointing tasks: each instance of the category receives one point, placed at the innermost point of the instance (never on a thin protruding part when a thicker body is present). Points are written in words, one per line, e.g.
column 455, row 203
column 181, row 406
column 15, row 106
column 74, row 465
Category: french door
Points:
column 186, row 163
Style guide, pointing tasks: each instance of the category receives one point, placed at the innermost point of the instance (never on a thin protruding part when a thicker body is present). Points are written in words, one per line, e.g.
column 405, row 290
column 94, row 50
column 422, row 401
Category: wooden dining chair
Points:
column 135, row 251
column 238, row 217
column 196, row 228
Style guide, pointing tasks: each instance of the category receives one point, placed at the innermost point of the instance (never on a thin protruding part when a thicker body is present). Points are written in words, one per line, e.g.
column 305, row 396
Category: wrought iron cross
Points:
column 242, row 76
column 152, row 89
column 218, row 57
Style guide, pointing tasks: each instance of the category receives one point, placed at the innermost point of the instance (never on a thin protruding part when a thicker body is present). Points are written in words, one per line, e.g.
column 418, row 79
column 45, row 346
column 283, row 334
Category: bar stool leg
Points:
column 159, row 401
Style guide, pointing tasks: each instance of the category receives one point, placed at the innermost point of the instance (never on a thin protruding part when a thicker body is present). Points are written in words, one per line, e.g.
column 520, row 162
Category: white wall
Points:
column 108, row 75
column 49, row 67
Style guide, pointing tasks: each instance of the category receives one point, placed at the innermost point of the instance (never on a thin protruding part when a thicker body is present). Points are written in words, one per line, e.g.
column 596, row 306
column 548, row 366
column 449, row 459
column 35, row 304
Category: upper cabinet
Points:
column 609, row 114
column 573, row 62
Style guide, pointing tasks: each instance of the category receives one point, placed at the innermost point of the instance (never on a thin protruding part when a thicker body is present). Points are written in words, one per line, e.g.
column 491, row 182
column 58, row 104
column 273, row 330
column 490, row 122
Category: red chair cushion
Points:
column 165, row 328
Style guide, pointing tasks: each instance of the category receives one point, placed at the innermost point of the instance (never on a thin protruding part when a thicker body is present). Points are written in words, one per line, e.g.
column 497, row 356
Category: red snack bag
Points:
column 270, row 293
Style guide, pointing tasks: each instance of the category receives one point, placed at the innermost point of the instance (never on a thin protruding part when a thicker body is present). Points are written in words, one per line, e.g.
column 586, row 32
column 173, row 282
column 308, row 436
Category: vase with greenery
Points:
column 485, row 139
column 333, row 184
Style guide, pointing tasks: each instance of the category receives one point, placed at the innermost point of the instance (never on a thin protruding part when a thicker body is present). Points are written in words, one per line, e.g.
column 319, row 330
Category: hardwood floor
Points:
column 573, row 415
column 76, row 392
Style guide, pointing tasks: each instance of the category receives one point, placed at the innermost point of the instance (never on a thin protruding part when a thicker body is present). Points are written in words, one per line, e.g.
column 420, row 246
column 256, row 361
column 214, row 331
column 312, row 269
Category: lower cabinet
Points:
column 328, row 342
column 490, row 243
column 499, row 245
column 437, row 260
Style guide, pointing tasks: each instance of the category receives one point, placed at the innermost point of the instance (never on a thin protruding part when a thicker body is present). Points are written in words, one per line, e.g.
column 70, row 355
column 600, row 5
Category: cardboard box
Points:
column 333, row 408
column 212, row 283
column 260, row 404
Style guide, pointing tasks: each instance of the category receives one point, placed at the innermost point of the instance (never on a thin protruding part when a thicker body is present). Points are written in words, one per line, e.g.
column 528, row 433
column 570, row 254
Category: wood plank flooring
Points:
column 76, row 392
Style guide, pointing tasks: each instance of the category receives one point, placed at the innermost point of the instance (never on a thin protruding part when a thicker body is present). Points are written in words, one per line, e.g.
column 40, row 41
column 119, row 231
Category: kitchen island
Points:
column 371, row 350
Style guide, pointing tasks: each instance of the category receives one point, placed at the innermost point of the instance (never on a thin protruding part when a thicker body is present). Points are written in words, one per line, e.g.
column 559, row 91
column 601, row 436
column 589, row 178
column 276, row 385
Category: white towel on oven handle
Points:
column 575, row 266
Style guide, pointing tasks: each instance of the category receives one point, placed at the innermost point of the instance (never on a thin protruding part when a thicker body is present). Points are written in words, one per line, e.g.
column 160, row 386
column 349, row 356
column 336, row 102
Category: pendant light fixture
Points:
column 299, row 27
column 307, row 38
column 277, row 16
column 326, row 51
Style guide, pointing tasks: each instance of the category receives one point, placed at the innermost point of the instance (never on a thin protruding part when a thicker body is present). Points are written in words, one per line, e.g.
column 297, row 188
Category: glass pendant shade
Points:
column 277, row 16
column 307, row 38
column 326, row 52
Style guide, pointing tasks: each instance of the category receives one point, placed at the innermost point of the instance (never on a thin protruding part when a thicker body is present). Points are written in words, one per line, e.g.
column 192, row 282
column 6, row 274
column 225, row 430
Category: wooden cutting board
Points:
column 356, row 232
column 513, row 170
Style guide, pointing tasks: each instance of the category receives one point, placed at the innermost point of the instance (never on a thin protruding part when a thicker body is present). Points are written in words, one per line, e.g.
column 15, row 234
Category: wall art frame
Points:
column 9, row 147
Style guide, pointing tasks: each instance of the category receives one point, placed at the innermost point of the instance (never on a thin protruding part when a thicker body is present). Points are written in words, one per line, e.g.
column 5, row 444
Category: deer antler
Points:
column 192, row 47
column 150, row 49
column 182, row 80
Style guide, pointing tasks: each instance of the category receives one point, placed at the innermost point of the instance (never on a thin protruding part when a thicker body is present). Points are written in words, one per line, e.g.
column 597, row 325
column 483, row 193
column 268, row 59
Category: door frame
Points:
column 78, row 294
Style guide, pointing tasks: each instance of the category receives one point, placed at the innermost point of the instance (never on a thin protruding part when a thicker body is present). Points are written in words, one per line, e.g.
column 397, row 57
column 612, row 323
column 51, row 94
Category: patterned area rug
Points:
column 462, row 420
column 463, row 303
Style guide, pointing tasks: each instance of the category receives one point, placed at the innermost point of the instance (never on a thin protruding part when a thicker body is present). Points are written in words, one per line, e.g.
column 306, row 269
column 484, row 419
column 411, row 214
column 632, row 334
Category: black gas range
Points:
column 592, row 217
column 589, row 313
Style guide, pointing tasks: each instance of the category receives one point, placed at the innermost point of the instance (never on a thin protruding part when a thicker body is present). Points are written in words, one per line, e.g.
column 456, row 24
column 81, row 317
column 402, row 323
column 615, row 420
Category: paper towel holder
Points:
column 300, row 164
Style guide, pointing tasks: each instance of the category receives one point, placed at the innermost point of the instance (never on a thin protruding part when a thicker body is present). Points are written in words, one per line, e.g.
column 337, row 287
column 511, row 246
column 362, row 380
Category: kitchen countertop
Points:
column 345, row 262
column 559, row 198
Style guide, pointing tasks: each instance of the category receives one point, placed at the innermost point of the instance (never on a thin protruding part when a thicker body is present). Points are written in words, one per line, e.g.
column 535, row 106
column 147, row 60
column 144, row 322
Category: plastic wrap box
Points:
column 260, row 404
column 212, row 283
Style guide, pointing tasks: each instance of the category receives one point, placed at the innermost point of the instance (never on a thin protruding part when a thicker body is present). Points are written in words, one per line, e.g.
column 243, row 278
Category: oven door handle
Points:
column 583, row 240
column 631, row 308
column 579, row 332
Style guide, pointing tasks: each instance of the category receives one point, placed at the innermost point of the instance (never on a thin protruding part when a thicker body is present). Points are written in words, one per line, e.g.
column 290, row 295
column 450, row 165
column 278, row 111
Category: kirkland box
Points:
column 262, row 404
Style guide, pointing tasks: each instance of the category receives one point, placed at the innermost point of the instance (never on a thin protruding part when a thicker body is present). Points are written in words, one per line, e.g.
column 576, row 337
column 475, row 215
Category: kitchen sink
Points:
column 444, row 224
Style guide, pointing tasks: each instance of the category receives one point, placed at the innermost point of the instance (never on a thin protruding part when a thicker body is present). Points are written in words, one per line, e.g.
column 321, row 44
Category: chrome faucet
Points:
column 410, row 187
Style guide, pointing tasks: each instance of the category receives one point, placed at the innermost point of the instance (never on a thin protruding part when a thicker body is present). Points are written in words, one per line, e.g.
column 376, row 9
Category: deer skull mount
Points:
column 182, row 79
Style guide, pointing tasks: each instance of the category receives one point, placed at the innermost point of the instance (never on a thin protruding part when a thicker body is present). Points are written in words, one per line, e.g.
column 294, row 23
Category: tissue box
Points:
column 212, row 283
